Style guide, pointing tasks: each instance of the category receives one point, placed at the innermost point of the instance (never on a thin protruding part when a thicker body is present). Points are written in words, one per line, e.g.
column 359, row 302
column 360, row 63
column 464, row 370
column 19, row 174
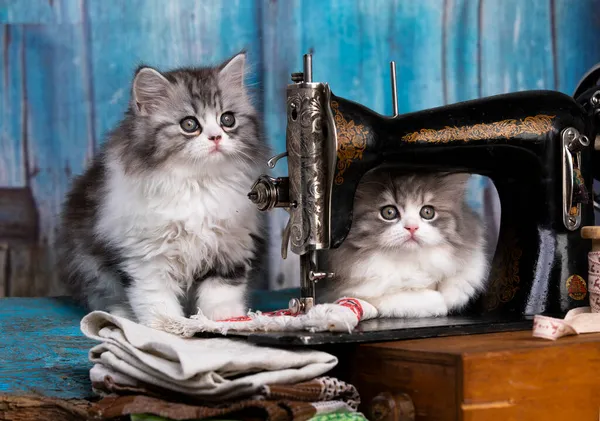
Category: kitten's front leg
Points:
column 458, row 289
column 456, row 292
column 222, row 298
column 152, row 292
column 416, row 303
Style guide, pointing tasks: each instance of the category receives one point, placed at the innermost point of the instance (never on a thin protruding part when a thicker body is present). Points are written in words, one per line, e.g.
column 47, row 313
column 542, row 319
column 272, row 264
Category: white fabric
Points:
column 203, row 367
column 341, row 316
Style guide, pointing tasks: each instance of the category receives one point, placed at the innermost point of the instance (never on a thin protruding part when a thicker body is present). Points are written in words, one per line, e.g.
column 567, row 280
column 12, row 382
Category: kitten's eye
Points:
column 227, row 119
column 427, row 212
column 389, row 213
column 190, row 125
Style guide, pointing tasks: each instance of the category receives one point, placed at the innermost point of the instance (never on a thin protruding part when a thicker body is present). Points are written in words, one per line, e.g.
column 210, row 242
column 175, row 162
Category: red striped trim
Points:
column 354, row 305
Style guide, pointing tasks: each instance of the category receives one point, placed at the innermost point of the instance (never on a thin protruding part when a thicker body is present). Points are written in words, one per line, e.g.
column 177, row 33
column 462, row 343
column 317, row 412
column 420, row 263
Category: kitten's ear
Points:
column 149, row 90
column 233, row 70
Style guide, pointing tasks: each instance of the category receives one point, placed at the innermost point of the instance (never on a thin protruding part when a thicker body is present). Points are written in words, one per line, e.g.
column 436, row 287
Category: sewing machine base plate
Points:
column 380, row 330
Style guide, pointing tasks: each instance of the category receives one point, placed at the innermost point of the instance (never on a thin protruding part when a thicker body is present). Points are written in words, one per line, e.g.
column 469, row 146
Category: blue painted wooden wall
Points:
column 67, row 65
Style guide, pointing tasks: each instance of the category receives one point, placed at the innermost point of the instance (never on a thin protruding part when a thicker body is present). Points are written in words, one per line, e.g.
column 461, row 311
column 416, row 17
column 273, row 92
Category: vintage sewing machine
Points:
column 537, row 147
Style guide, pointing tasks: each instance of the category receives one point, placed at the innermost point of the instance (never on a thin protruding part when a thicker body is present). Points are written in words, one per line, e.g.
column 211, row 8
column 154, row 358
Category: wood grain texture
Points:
column 460, row 32
column 558, row 381
column 516, row 46
column 502, row 376
column 56, row 128
column 571, row 40
column 12, row 106
column 35, row 408
column 42, row 349
column 39, row 11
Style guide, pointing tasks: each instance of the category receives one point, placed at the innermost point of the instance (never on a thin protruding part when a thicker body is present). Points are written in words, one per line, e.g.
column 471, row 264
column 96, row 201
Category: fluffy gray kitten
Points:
column 415, row 249
column 160, row 221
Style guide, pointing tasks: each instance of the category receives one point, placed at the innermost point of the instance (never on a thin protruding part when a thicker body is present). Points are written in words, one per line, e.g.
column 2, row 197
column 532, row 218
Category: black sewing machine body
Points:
column 515, row 140
column 532, row 145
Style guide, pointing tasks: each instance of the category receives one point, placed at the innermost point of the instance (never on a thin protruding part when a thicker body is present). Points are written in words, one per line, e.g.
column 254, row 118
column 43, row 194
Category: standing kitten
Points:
column 161, row 221
column 415, row 249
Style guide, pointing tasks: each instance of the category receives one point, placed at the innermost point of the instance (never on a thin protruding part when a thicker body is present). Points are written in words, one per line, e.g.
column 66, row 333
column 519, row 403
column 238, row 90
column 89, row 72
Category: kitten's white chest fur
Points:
column 181, row 223
column 384, row 273
column 419, row 283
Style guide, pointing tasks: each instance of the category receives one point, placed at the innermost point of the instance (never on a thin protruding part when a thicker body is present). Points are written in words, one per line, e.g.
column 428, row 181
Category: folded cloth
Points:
column 298, row 402
column 210, row 368
column 342, row 315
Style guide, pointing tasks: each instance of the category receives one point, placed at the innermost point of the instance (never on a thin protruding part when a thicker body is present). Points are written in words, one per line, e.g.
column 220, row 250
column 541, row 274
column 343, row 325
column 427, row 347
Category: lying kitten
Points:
column 415, row 248
column 161, row 221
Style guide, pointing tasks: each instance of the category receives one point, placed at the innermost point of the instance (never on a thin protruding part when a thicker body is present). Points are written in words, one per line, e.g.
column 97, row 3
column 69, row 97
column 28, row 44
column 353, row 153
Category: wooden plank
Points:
column 18, row 216
column 39, row 11
column 460, row 63
column 516, row 46
column 31, row 272
column 56, row 124
column 576, row 46
column 33, row 408
column 55, row 363
column 12, row 160
column 282, row 52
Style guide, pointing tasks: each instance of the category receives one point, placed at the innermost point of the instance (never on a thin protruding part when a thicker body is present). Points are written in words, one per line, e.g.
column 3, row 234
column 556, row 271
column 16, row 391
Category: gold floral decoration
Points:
column 505, row 129
column 351, row 139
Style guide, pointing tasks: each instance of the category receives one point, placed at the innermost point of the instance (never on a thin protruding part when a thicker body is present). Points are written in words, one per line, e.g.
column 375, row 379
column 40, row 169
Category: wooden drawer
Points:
column 503, row 376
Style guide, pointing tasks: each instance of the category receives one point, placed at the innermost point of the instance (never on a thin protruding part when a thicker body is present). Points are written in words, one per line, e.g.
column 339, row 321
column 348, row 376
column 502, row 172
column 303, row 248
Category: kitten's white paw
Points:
column 454, row 297
column 332, row 317
column 436, row 311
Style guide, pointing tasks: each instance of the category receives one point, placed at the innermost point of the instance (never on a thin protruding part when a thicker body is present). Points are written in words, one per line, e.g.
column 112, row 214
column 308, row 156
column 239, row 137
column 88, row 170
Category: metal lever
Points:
column 572, row 145
column 273, row 160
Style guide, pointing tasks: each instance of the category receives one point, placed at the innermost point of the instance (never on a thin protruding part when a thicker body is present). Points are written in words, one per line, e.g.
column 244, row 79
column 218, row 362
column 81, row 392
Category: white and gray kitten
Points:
column 160, row 222
column 415, row 249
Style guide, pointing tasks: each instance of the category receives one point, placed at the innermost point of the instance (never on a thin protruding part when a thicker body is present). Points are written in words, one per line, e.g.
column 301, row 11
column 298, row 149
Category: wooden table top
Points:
column 43, row 352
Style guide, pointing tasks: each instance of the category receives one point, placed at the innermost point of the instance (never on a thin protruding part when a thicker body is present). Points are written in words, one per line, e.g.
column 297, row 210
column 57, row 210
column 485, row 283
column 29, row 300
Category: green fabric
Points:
column 340, row 416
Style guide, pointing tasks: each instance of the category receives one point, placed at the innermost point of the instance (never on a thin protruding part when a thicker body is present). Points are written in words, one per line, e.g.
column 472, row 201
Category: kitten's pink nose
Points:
column 215, row 139
column 411, row 229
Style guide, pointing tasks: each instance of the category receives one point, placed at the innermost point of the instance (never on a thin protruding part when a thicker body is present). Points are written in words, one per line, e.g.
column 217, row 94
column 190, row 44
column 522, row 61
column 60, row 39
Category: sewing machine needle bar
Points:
column 308, row 263
column 394, row 88
column 308, row 68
